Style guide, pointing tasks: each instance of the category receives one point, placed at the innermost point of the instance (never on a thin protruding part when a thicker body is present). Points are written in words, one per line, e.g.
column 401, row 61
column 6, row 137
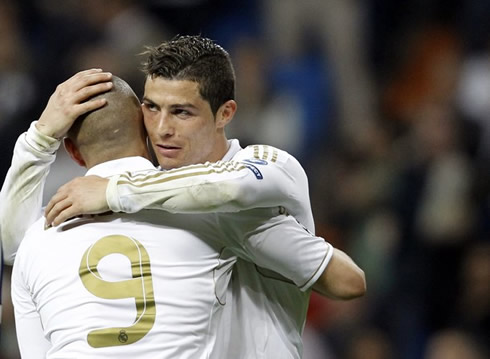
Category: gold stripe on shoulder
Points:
column 266, row 152
column 256, row 151
column 274, row 155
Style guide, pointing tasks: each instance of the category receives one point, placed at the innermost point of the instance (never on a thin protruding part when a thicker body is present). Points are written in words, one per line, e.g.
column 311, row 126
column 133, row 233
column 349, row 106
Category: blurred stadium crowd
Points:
column 385, row 103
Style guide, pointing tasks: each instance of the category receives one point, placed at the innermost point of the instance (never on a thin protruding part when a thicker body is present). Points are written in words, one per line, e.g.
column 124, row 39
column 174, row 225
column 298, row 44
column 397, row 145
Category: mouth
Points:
column 168, row 150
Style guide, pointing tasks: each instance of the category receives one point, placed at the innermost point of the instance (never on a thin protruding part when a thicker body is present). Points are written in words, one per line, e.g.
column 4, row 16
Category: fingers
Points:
column 60, row 212
column 71, row 100
column 56, row 205
column 64, row 215
column 88, row 77
column 83, row 86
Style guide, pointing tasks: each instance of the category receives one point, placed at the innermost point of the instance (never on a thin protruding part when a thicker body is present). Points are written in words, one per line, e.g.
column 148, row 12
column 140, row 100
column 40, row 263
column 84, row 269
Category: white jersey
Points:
column 151, row 284
column 123, row 285
column 269, row 311
column 259, row 176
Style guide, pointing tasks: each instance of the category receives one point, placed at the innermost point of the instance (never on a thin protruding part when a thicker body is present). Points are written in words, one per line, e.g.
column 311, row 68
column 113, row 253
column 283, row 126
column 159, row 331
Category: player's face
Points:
column 180, row 124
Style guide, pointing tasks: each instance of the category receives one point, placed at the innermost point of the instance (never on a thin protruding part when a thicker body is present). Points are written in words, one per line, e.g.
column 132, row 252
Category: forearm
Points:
column 200, row 188
column 22, row 190
column 342, row 279
column 216, row 187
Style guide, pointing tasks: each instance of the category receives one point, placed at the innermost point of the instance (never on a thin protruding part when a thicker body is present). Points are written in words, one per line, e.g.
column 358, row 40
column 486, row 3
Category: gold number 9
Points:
column 139, row 287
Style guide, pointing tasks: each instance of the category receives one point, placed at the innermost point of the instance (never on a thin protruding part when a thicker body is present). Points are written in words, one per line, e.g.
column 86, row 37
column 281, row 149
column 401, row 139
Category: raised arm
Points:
column 34, row 152
column 22, row 191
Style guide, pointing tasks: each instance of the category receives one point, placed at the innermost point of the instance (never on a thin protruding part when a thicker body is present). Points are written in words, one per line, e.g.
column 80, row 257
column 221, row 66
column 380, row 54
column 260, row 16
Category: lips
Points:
column 168, row 150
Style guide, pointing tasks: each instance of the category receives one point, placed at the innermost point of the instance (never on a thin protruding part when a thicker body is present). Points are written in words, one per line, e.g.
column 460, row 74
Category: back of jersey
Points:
column 126, row 286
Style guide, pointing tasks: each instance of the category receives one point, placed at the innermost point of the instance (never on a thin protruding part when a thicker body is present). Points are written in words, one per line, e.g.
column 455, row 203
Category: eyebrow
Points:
column 173, row 106
column 146, row 99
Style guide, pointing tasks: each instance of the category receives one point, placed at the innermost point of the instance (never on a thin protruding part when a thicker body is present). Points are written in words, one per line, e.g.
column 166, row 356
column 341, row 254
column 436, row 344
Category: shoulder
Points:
column 33, row 237
column 264, row 154
column 280, row 160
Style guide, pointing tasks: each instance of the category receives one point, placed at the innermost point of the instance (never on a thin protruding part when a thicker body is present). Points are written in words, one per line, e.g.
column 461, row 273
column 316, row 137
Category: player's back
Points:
column 128, row 286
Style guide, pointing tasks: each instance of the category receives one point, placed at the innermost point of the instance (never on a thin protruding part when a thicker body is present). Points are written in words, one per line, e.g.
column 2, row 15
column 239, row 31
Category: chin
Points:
column 168, row 164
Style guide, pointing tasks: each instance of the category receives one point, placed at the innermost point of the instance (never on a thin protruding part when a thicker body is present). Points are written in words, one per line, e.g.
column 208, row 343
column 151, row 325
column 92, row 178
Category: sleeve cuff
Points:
column 41, row 142
column 112, row 196
column 320, row 270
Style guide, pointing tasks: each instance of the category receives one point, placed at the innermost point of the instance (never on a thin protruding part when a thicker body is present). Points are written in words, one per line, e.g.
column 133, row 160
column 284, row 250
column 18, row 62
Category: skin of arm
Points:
column 22, row 190
column 342, row 279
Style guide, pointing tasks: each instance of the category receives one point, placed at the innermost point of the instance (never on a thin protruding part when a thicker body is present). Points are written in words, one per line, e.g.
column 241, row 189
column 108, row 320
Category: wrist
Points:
column 46, row 131
column 40, row 141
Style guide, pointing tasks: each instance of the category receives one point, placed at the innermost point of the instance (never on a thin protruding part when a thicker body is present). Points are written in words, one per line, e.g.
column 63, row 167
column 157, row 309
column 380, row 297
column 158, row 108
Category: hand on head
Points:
column 69, row 101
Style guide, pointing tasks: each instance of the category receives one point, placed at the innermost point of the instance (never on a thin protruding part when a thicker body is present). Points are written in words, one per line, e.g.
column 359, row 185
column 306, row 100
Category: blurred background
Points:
column 385, row 103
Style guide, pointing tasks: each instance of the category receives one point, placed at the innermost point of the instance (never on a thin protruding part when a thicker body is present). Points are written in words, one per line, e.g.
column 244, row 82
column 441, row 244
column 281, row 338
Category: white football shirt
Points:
column 138, row 285
column 115, row 286
column 245, row 185
column 269, row 311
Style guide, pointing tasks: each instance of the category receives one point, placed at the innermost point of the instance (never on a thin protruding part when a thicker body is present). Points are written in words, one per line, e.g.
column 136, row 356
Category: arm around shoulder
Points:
column 342, row 279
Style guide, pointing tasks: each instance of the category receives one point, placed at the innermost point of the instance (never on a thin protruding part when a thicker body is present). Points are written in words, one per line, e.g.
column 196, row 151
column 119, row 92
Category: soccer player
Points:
column 145, row 285
column 188, row 102
column 185, row 117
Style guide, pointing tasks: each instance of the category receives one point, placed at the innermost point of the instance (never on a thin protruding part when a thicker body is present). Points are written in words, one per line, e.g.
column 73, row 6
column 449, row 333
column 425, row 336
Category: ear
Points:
column 225, row 113
column 74, row 152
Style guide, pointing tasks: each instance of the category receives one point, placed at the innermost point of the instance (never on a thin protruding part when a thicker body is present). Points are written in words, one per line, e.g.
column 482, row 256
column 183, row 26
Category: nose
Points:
column 165, row 125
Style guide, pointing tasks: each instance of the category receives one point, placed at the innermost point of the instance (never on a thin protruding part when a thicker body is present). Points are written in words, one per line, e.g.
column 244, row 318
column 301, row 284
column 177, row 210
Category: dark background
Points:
column 385, row 103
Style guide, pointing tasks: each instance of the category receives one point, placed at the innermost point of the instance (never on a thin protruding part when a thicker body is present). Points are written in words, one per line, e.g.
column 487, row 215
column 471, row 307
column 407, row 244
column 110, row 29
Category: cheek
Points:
column 149, row 125
column 203, row 141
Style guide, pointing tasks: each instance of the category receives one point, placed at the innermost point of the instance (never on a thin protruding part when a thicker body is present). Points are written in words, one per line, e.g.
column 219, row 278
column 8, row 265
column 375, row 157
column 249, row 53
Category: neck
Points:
column 222, row 147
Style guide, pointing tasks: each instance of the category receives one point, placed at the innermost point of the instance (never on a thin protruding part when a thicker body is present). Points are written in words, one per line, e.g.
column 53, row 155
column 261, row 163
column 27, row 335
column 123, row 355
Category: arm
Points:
column 342, row 279
column 257, row 177
column 22, row 190
column 34, row 152
column 30, row 334
column 282, row 245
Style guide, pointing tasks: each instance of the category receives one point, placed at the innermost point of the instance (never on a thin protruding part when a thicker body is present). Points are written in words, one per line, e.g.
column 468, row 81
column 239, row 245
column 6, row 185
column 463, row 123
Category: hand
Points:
column 82, row 195
column 69, row 101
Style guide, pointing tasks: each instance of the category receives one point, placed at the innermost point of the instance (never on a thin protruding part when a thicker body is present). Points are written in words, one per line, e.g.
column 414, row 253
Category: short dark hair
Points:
column 198, row 59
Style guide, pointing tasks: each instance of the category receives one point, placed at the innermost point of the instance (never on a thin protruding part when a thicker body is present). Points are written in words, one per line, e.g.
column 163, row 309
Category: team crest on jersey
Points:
column 255, row 170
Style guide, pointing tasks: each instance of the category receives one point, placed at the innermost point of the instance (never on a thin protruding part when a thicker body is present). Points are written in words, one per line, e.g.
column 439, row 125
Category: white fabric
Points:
column 257, row 177
column 21, row 200
column 189, row 278
column 279, row 308
column 269, row 313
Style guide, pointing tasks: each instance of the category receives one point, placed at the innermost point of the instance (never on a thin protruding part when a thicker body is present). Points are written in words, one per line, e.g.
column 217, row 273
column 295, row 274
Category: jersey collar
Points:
column 114, row 167
column 234, row 147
